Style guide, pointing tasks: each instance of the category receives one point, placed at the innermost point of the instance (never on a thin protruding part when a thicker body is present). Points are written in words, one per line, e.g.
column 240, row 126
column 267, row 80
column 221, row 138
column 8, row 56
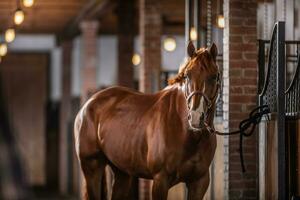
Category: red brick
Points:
column 236, row 22
column 236, row 39
column 249, row 64
column 236, row 107
column 253, row 72
column 242, row 98
column 233, row 125
column 243, row 30
column 236, row 55
column 235, row 72
column 239, row 116
column 234, row 194
column 235, row 175
column 236, row 90
column 250, row 22
column 250, row 56
column 236, row 47
column 250, row 90
column 249, row 47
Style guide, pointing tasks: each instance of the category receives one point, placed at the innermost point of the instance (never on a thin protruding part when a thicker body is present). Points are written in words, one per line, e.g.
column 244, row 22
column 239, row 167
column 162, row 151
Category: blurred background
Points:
column 55, row 53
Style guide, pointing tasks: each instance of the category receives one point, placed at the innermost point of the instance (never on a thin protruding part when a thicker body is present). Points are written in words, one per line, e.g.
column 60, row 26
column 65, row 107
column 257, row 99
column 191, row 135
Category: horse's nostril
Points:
column 201, row 121
column 202, row 117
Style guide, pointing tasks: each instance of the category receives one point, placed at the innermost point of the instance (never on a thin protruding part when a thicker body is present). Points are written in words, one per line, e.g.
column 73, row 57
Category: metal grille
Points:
column 292, row 94
column 292, row 65
column 273, row 95
column 269, row 95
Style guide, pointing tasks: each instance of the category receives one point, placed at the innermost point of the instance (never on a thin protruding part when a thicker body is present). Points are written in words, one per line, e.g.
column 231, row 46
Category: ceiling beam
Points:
column 92, row 10
column 102, row 9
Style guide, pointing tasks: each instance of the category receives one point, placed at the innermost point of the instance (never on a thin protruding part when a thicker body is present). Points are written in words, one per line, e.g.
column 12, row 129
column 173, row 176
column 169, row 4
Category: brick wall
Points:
column 240, row 81
column 125, row 42
column 89, row 30
column 150, row 34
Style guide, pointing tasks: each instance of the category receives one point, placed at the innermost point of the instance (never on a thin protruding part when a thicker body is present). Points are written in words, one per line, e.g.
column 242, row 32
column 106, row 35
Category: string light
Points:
column 28, row 3
column 220, row 21
column 3, row 49
column 136, row 59
column 193, row 34
column 169, row 44
column 10, row 35
column 19, row 16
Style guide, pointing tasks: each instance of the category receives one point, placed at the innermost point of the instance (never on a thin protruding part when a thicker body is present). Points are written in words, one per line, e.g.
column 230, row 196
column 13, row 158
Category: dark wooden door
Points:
column 24, row 82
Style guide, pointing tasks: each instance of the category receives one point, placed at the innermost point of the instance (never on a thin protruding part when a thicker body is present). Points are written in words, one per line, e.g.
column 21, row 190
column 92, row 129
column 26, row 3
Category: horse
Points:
column 164, row 136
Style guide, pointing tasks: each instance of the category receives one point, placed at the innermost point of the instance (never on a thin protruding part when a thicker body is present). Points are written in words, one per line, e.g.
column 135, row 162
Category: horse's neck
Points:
column 179, row 100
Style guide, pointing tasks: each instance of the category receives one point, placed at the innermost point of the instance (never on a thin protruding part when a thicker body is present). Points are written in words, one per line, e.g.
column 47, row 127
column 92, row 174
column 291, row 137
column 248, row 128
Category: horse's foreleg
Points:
column 93, row 171
column 160, row 187
column 197, row 189
column 123, row 187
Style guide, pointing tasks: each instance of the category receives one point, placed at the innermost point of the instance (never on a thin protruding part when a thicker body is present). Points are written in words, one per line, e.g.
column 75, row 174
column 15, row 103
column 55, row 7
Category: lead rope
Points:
column 251, row 122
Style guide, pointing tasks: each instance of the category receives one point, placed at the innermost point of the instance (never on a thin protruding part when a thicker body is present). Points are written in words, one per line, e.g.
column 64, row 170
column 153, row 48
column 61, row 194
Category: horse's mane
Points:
column 186, row 65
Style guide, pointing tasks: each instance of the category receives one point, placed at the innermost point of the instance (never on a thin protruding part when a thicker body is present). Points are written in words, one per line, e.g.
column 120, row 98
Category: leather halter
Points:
column 208, row 100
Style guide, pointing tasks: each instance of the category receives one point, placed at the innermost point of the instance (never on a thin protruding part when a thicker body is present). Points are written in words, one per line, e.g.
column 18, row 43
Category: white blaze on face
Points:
column 196, row 114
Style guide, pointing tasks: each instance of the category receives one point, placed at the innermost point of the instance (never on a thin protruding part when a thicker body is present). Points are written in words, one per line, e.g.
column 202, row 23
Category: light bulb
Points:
column 10, row 35
column 19, row 17
column 169, row 44
column 28, row 3
column 193, row 34
column 136, row 59
column 220, row 21
column 3, row 49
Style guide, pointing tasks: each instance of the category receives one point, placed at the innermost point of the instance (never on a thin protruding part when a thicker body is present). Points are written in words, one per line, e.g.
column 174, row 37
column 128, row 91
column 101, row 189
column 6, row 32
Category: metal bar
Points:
column 208, row 21
column 282, row 190
column 261, row 65
column 188, row 21
column 197, row 24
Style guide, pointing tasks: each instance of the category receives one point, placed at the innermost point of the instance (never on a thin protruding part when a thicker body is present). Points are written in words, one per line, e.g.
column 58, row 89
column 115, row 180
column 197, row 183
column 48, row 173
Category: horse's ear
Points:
column 213, row 50
column 191, row 49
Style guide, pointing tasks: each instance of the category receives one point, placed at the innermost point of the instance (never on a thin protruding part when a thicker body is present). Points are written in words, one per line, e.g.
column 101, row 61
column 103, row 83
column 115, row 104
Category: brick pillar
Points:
column 240, row 93
column 150, row 34
column 65, row 115
column 89, row 30
column 125, row 42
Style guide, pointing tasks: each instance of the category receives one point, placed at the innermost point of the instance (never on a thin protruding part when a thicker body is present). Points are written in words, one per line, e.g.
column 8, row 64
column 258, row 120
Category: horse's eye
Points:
column 212, row 79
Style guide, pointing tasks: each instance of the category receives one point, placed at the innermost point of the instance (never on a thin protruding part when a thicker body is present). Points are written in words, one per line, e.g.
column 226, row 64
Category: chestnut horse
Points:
column 163, row 136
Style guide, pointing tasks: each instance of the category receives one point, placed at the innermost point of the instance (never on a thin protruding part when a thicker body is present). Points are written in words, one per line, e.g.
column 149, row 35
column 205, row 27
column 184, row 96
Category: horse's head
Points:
column 200, row 80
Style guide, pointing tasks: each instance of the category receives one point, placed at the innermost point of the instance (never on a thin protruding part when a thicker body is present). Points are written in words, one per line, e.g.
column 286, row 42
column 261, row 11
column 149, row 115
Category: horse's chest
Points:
column 193, row 168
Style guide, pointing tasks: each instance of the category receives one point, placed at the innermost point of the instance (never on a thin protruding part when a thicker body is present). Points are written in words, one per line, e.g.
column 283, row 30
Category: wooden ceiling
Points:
column 45, row 16
column 55, row 16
